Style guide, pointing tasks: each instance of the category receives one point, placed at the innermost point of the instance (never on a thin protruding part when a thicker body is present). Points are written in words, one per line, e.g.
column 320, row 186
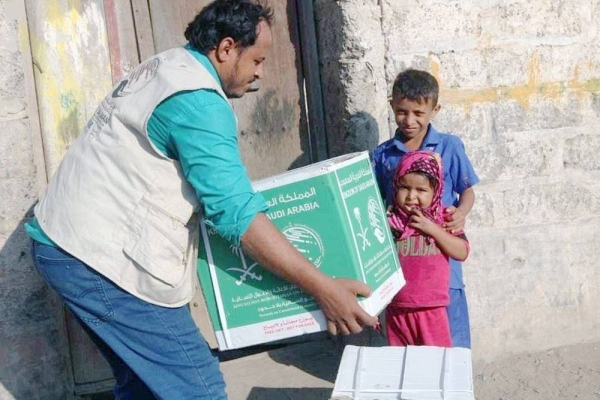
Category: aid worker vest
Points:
column 117, row 203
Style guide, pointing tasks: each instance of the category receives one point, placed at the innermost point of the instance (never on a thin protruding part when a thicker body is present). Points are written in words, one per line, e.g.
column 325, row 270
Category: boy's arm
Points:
column 463, row 177
column 455, row 221
column 453, row 246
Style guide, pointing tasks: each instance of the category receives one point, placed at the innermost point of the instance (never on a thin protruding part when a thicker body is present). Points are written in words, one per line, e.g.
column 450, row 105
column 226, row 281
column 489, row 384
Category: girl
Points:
column 417, row 314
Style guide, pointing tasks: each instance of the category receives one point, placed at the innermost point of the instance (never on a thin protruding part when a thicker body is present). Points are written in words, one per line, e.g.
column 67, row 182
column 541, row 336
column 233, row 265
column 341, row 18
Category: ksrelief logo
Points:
column 307, row 241
column 138, row 78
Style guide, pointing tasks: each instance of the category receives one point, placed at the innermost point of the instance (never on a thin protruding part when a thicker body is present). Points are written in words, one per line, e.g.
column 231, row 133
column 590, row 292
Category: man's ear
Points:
column 226, row 49
column 436, row 109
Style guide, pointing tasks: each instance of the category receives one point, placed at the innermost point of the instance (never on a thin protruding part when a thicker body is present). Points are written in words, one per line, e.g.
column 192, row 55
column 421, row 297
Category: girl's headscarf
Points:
column 417, row 161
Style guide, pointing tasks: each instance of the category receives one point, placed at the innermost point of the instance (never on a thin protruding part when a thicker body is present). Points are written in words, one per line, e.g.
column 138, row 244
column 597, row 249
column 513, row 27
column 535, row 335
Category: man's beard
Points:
column 254, row 86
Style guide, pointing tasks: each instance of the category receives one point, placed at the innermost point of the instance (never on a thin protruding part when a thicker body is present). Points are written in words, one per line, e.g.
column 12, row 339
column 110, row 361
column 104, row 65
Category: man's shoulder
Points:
column 193, row 101
column 204, row 97
column 202, row 106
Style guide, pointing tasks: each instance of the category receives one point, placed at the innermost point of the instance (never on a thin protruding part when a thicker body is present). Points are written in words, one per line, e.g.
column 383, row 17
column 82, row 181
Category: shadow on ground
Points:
column 260, row 393
column 320, row 357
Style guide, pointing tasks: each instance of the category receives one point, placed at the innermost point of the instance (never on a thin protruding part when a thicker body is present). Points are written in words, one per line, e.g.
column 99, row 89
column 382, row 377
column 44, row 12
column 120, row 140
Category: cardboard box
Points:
column 332, row 213
column 408, row 373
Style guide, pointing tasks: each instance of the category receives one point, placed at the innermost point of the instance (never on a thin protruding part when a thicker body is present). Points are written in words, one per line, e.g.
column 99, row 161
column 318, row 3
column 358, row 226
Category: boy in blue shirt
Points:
column 414, row 102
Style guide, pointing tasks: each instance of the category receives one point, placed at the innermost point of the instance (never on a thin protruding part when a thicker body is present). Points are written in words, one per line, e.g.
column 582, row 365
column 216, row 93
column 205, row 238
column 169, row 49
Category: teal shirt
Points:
column 35, row 232
column 198, row 128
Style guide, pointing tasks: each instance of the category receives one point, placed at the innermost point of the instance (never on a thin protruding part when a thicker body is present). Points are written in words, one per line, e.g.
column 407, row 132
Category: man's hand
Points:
column 337, row 299
column 454, row 220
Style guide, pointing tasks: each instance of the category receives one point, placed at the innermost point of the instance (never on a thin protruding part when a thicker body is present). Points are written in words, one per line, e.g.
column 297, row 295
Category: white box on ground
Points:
column 404, row 373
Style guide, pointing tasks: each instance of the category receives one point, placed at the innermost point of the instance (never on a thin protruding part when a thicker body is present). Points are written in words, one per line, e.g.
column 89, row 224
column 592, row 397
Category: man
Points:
column 116, row 230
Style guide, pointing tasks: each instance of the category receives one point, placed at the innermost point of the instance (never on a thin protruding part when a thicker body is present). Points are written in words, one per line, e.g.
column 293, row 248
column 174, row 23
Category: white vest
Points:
column 117, row 203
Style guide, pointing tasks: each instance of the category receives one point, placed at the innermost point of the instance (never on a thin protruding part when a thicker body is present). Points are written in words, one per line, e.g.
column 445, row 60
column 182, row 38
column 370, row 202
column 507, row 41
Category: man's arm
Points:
column 337, row 297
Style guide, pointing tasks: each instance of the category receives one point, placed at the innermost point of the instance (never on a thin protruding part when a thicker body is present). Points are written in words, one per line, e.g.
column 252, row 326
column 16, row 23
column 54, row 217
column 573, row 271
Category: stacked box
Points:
column 332, row 213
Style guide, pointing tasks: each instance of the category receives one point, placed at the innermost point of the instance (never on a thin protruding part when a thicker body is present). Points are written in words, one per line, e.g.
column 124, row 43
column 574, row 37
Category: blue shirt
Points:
column 459, row 174
column 198, row 128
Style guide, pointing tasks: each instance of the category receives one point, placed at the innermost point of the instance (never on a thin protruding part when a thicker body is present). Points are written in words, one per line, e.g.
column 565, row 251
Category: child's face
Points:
column 413, row 117
column 414, row 190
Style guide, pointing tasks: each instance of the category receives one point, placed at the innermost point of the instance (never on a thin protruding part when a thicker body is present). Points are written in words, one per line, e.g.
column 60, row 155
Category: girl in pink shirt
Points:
column 417, row 314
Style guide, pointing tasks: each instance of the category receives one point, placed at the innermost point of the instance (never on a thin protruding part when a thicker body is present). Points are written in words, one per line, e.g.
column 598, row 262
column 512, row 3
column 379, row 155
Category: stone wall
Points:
column 32, row 354
column 520, row 84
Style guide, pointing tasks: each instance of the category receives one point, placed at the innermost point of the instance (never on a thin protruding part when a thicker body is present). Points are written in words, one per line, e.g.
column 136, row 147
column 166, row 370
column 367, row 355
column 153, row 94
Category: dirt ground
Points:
column 307, row 371
column 564, row 373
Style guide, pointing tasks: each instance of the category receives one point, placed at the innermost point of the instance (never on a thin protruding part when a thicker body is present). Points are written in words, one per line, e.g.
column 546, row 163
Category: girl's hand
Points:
column 422, row 223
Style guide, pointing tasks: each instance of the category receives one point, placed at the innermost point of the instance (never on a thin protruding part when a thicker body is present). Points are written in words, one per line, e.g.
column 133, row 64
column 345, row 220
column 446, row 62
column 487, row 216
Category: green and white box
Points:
column 332, row 213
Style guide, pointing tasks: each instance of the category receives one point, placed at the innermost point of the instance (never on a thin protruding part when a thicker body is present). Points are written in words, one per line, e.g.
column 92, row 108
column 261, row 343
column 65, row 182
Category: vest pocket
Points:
column 159, row 243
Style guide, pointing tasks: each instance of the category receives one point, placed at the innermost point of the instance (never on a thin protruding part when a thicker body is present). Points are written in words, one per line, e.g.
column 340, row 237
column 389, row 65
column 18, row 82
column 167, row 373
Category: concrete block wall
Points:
column 520, row 84
column 33, row 362
column 352, row 57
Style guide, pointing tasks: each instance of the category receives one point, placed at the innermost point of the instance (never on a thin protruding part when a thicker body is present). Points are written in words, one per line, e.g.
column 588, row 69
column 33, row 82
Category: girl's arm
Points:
column 453, row 246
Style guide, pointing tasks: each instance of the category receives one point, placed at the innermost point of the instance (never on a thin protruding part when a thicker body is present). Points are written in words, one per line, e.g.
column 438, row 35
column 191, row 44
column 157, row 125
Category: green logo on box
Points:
column 307, row 241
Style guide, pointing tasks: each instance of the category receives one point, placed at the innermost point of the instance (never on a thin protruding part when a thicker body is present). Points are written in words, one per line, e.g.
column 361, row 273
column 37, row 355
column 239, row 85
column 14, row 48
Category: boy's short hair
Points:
column 416, row 85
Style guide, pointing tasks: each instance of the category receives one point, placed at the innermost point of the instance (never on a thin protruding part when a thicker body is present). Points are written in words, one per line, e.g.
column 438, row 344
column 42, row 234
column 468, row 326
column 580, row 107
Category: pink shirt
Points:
column 426, row 271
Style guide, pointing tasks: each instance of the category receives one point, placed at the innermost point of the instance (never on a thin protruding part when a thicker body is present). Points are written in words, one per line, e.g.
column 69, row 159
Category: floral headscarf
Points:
column 417, row 161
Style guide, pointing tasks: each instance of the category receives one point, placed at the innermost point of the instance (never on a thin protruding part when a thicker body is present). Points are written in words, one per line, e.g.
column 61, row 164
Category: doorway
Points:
column 100, row 41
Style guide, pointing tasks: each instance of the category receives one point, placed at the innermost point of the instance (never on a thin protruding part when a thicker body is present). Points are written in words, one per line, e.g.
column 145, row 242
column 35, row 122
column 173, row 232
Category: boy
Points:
column 414, row 102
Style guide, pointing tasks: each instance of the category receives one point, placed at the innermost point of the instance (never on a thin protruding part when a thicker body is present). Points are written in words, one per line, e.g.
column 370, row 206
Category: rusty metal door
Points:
column 112, row 37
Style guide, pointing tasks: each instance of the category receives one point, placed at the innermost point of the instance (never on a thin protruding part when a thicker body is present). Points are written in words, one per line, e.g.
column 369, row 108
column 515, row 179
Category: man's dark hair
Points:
column 237, row 19
column 416, row 85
